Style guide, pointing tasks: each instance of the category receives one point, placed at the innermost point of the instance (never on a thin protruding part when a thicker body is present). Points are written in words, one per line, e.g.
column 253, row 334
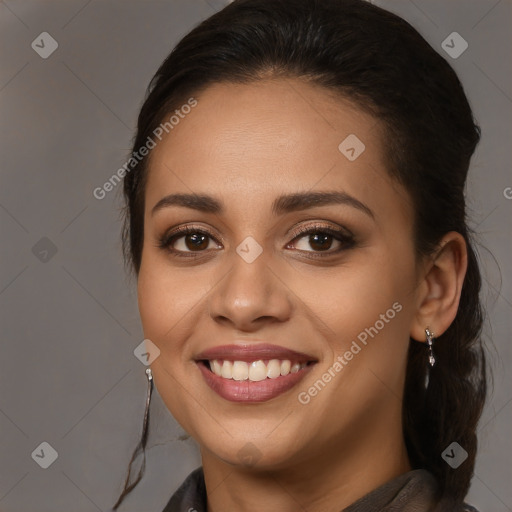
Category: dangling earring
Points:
column 430, row 340
column 140, row 446
column 149, row 375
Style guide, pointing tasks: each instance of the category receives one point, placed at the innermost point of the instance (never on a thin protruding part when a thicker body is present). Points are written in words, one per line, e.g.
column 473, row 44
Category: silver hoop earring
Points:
column 430, row 341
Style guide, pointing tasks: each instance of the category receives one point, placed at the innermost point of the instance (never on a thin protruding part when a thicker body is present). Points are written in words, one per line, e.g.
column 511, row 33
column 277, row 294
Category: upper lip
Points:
column 253, row 352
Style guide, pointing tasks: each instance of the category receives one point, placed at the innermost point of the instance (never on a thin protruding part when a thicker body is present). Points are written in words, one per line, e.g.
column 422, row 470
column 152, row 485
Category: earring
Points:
column 149, row 375
column 430, row 340
column 140, row 446
column 142, row 443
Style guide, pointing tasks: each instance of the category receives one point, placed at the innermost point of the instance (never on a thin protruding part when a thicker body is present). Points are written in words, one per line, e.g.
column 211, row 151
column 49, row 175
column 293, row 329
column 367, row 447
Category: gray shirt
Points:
column 414, row 491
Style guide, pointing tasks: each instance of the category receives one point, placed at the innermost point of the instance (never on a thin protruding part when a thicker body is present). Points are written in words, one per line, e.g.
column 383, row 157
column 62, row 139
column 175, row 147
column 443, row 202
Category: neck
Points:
column 328, row 481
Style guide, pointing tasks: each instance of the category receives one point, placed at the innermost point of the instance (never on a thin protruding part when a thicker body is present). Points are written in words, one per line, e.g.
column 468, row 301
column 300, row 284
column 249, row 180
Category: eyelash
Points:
column 346, row 239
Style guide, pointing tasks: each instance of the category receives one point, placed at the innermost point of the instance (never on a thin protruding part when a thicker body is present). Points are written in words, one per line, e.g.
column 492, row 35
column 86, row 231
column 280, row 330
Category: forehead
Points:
column 245, row 143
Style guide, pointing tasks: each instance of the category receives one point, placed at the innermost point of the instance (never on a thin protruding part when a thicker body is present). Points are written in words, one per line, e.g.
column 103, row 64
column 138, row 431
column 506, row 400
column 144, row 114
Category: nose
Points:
column 251, row 294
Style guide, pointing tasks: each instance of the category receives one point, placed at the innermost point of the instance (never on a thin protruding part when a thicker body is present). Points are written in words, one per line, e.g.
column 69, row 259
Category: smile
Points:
column 255, row 371
column 252, row 373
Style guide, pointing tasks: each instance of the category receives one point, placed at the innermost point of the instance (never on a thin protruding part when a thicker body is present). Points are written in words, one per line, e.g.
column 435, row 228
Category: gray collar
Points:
column 414, row 491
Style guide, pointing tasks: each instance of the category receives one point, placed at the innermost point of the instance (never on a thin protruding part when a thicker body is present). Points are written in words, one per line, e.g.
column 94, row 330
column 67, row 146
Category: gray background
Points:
column 68, row 375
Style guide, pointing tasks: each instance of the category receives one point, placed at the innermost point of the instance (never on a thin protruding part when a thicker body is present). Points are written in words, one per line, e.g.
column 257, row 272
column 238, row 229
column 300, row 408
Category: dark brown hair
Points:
column 381, row 63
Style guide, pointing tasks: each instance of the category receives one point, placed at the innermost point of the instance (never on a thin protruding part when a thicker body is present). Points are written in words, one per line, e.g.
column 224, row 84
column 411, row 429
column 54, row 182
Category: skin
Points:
column 246, row 145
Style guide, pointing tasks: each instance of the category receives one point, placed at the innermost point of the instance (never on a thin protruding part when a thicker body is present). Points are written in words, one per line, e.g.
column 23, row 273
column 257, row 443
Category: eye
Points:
column 186, row 239
column 321, row 238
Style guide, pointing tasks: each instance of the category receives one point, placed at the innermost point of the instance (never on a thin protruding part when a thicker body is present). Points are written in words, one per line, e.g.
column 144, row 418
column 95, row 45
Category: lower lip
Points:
column 249, row 391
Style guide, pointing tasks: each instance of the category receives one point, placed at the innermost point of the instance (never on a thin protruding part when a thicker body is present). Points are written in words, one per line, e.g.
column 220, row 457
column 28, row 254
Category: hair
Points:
column 383, row 65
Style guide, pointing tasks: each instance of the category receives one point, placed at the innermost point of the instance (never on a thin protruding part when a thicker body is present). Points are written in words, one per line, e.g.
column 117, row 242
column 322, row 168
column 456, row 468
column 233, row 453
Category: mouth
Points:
column 253, row 373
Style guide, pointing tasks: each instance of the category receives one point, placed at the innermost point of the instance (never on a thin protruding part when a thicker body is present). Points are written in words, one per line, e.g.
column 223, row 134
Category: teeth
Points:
column 274, row 369
column 216, row 367
column 255, row 371
column 295, row 368
column 227, row 370
column 240, row 370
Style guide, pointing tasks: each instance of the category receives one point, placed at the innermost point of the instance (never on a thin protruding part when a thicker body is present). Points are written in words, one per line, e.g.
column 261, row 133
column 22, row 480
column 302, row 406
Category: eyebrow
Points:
column 283, row 204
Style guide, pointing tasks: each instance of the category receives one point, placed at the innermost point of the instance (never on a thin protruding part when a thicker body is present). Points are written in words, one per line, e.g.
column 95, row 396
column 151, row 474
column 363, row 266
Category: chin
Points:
column 250, row 451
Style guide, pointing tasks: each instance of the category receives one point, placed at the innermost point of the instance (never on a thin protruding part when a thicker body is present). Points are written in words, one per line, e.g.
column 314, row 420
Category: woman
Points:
column 306, row 278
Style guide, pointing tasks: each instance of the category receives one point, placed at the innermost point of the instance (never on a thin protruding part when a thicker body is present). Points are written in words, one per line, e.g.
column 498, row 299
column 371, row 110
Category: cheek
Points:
column 164, row 301
column 367, row 311
column 351, row 299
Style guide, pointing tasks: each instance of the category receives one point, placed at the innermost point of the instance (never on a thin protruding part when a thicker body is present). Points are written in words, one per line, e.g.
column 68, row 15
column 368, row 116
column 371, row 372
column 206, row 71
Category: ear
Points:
column 438, row 293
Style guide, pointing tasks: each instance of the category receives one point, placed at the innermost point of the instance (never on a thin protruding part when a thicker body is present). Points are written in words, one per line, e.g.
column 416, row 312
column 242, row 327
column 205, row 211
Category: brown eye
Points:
column 316, row 240
column 187, row 240
column 195, row 241
column 321, row 239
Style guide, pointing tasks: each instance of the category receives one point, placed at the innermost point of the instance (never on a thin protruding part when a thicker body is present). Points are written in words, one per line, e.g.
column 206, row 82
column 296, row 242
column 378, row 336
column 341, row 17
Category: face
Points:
column 303, row 300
